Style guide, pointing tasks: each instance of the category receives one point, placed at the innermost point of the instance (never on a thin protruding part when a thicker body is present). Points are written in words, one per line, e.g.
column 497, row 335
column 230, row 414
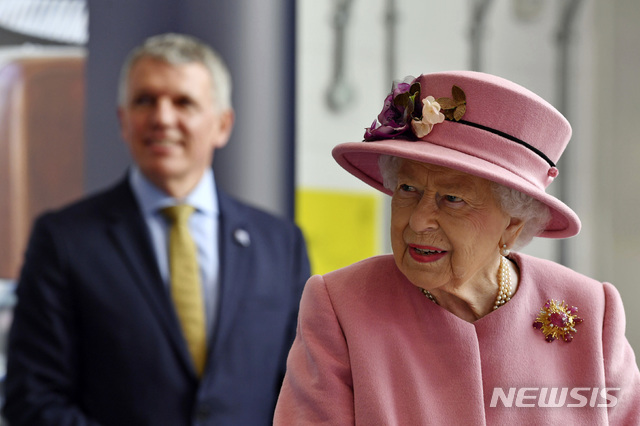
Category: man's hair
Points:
column 180, row 49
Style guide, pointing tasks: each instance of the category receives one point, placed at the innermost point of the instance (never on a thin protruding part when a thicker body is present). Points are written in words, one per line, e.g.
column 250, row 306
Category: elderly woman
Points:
column 455, row 327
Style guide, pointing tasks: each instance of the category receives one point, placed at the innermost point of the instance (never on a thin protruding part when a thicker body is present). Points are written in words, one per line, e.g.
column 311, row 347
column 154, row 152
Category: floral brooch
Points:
column 408, row 115
column 557, row 320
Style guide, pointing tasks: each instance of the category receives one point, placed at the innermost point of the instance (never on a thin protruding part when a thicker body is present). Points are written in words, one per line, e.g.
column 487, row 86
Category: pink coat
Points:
column 371, row 349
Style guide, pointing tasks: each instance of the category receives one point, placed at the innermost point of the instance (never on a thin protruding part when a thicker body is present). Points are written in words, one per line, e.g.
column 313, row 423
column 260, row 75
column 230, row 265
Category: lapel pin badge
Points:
column 242, row 237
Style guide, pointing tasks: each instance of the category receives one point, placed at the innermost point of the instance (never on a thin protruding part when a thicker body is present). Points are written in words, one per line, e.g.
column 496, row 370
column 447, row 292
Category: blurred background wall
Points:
column 309, row 75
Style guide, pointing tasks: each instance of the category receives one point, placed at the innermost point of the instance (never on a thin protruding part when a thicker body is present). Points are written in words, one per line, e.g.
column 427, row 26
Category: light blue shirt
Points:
column 203, row 224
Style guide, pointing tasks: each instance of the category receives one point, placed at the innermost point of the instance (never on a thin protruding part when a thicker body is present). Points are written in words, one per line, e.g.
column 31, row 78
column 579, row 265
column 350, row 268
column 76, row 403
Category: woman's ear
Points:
column 511, row 232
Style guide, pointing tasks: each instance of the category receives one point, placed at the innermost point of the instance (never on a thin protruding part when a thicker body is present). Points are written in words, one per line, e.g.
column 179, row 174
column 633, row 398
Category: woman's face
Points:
column 446, row 226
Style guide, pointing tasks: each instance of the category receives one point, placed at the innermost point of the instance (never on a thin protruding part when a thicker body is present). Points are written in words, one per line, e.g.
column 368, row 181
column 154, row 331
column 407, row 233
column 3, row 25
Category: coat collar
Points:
column 235, row 245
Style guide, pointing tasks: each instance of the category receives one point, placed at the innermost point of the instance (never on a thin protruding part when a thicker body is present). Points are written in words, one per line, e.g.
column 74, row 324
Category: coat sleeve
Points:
column 41, row 386
column 317, row 388
column 301, row 271
column 621, row 369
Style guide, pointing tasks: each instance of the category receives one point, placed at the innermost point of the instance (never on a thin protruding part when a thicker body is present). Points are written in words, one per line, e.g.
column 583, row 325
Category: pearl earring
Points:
column 505, row 251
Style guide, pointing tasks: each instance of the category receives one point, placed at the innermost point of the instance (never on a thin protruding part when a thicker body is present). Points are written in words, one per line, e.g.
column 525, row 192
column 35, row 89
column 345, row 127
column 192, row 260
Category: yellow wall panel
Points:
column 340, row 227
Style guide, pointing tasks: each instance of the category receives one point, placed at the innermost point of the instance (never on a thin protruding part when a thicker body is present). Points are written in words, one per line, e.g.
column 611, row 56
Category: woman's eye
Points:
column 407, row 188
column 453, row 199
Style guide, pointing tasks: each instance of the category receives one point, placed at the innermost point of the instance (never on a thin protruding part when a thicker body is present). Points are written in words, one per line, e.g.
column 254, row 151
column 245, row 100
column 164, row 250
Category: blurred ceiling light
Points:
column 63, row 21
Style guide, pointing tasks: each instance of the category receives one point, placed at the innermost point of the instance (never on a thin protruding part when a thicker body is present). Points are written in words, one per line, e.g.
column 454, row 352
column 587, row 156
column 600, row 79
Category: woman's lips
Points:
column 426, row 254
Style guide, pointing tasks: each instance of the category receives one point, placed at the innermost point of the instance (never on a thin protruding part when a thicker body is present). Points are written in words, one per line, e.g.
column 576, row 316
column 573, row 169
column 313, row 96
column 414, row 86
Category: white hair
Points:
column 179, row 49
column 514, row 203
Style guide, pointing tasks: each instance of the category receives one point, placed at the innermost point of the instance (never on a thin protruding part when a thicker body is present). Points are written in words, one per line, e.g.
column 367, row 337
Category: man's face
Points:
column 170, row 123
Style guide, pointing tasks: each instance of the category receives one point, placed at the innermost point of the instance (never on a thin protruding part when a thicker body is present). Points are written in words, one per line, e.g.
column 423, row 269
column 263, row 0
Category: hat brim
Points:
column 361, row 160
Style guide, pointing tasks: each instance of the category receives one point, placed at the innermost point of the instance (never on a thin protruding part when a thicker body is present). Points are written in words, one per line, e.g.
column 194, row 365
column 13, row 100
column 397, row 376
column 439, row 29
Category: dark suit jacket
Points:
column 95, row 338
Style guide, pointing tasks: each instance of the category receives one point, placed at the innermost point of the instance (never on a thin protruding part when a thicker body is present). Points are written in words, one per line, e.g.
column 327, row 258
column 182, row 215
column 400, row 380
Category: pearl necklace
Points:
column 504, row 286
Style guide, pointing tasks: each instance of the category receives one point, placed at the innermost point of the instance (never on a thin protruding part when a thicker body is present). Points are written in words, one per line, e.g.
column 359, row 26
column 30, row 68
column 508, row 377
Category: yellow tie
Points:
column 185, row 283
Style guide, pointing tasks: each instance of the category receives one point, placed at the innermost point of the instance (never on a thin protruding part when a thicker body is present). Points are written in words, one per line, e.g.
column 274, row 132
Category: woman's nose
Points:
column 424, row 217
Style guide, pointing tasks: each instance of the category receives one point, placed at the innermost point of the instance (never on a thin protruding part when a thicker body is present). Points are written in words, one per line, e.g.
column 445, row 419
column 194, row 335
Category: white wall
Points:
column 599, row 171
column 616, row 128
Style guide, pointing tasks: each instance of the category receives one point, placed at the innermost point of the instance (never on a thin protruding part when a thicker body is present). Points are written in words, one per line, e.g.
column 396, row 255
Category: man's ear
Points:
column 225, row 127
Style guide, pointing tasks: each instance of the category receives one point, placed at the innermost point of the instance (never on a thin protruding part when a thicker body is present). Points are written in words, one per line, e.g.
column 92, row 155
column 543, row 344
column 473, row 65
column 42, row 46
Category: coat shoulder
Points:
column 543, row 270
column 230, row 205
column 372, row 266
column 236, row 214
column 554, row 281
column 377, row 276
column 92, row 208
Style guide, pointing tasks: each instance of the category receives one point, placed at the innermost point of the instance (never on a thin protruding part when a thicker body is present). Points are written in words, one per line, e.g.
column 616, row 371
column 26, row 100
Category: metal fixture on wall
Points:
column 340, row 92
column 479, row 11
column 391, row 24
column 564, row 38
column 527, row 10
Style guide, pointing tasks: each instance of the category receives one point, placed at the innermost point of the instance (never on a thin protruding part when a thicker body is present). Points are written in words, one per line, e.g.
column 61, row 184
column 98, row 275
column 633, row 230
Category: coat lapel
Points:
column 235, row 244
column 131, row 237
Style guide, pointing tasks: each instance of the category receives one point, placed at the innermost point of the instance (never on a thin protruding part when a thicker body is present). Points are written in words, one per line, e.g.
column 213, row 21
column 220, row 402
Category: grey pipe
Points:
column 476, row 32
column 564, row 43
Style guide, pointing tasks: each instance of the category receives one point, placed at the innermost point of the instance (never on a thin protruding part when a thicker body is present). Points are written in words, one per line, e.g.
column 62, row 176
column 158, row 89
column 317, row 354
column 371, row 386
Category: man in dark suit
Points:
column 99, row 337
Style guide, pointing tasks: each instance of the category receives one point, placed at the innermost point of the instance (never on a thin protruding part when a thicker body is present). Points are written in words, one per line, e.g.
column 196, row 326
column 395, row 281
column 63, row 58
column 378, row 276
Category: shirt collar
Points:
column 151, row 198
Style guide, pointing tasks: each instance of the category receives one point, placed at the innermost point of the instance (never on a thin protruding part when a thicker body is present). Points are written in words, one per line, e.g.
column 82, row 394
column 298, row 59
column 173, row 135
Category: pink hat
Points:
column 473, row 122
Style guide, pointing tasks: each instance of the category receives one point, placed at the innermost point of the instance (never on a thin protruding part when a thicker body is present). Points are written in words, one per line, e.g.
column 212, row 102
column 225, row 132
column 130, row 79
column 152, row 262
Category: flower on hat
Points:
column 398, row 110
column 402, row 117
column 430, row 115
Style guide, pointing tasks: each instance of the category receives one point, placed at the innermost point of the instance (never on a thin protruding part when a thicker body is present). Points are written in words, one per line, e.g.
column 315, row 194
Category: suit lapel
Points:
column 131, row 237
column 235, row 244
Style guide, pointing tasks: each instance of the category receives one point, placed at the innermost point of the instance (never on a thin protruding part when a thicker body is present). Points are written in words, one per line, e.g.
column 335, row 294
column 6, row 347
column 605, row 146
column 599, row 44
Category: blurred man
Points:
column 161, row 301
